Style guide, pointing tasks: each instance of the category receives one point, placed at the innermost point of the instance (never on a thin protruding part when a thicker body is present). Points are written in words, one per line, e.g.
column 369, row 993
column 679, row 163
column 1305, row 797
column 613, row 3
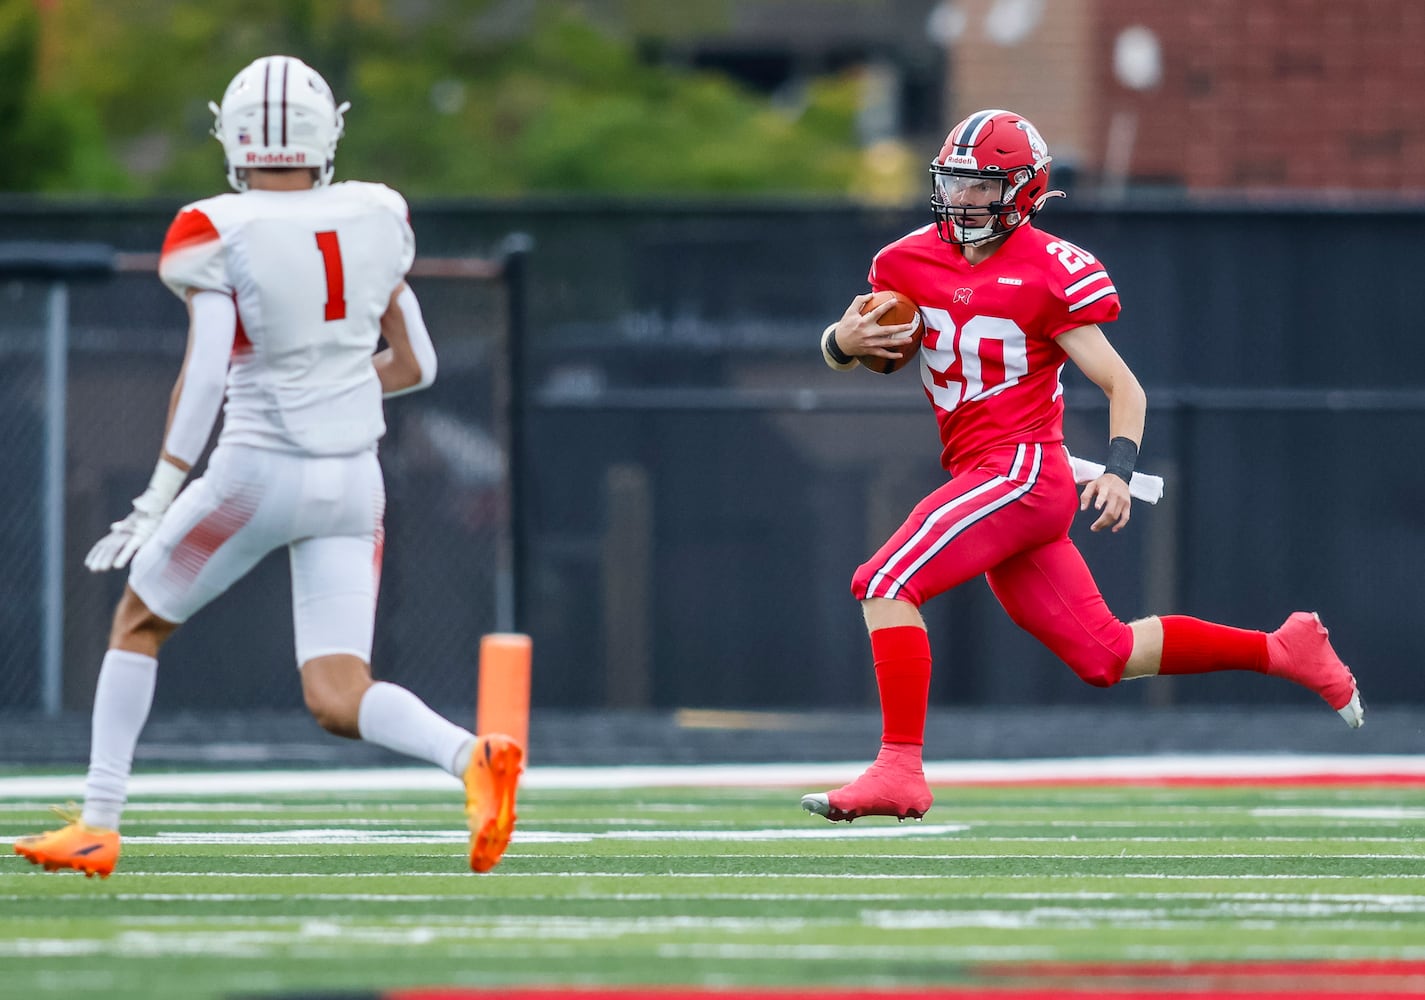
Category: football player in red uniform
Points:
column 1005, row 306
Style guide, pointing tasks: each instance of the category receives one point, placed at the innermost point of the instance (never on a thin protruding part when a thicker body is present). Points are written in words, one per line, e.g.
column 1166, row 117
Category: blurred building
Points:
column 1208, row 96
column 1142, row 95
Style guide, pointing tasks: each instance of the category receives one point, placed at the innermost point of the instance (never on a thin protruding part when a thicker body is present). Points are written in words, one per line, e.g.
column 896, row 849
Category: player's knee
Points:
column 136, row 628
column 1088, row 660
column 336, row 723
column 859, row 580
column 870, row 582
column 332, row 687
column 1097, row 656
column 1099, row 667
column 331, row 713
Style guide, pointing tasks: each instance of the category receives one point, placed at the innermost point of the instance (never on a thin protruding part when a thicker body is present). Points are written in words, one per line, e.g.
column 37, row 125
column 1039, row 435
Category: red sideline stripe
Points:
column 1347, row 979
column 1205, row 781
column 1098, row 970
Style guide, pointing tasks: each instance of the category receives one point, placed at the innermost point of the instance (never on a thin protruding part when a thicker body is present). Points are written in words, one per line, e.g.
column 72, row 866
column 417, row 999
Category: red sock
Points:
column 1193, row 646
column 902, row 656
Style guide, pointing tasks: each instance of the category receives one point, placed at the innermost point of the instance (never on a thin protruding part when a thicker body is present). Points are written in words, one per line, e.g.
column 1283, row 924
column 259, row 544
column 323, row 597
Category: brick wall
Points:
column 1263, row 95
column 1046, row 75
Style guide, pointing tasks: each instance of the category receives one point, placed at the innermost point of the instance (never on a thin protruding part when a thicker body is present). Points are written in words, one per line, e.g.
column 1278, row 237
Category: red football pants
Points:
column 1008, row 518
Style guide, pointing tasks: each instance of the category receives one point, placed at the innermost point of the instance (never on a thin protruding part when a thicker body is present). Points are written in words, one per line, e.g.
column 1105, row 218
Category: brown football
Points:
column 904, row 311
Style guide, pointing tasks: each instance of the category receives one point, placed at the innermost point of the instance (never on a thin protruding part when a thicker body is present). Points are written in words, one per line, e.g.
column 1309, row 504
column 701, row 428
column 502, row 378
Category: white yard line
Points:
column 808, row 776
column 1362, row 902
column 1078, row 876
column 886, row 877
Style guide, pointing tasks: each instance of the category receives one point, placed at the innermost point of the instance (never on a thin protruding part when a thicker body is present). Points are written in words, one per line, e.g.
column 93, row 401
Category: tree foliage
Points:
column 449, row 97
column 50, row 143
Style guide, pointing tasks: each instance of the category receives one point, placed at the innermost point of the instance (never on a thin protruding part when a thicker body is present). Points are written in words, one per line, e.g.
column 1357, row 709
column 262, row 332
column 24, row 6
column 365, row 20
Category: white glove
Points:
column 126, row 537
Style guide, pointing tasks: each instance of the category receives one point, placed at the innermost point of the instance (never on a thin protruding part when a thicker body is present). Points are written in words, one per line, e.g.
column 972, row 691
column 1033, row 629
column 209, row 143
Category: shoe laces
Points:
column 70, row 812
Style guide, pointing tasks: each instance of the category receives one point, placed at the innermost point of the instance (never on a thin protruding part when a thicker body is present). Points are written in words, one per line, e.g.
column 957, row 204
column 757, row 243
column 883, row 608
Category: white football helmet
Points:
column 278, row 112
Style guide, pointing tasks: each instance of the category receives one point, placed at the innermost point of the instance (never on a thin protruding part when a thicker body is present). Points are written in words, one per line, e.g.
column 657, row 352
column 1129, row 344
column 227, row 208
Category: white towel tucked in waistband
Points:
column 1143, row 486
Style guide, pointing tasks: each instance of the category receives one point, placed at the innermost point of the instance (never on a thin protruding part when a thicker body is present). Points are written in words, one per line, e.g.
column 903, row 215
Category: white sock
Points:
column 121, row 702
column 392, row 717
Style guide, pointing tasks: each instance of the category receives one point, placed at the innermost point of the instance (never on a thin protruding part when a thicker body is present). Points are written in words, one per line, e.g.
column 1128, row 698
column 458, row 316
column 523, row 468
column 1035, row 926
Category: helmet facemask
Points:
column 990, row 177
column 278, row 113
column 964, row 215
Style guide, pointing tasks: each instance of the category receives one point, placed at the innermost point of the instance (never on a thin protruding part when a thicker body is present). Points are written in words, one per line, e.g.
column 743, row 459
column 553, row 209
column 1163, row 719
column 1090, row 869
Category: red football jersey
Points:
column 989, row 362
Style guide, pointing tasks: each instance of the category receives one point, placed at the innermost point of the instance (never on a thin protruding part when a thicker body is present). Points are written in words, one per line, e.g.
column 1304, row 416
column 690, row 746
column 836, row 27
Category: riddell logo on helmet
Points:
column 276, row 159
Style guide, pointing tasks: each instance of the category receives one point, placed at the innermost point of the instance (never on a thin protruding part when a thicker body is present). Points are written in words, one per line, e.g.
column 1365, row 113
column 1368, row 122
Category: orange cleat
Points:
column 1300, row 651
column 892, row 786
column 491, row 780
column 84, row 848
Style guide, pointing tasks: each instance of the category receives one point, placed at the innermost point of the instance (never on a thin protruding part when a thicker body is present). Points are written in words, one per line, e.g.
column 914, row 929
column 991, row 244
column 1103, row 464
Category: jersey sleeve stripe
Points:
column 1093, row 297
column 189, row 229
column 1083, row 283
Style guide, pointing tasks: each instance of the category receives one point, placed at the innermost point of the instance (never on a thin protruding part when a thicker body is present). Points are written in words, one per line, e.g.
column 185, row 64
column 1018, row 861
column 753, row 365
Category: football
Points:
column 904, row 311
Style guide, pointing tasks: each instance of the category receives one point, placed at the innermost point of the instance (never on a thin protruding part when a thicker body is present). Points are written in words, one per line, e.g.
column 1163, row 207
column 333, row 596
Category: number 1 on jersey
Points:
column 336, row 281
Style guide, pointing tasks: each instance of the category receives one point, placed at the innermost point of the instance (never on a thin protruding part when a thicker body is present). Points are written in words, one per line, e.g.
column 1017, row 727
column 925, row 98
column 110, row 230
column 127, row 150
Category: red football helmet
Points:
column 990, row 147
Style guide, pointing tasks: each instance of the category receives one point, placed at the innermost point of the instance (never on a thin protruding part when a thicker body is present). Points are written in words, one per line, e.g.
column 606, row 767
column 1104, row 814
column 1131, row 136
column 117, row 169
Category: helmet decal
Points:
column 1037, row 145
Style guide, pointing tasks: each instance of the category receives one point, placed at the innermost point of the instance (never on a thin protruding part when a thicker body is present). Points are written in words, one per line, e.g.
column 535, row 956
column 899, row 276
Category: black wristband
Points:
column 1122, row 456
column 833, row 349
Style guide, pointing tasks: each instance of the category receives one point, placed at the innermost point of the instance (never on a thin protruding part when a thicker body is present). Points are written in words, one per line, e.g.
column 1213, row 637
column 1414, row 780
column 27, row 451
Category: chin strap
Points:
column 1033, row 211
column 1039, row 202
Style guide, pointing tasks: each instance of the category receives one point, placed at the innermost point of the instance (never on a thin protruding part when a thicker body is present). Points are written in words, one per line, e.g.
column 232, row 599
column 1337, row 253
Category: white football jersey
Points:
column 311, row 272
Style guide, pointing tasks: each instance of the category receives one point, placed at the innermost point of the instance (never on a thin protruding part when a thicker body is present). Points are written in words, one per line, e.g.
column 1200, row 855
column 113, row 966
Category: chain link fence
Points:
column 23, row 323
column 75, row 461
column 694, row 487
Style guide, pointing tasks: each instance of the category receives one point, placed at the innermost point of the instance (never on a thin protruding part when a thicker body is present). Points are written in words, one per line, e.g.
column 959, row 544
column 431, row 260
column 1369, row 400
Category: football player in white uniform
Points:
column 290, row 283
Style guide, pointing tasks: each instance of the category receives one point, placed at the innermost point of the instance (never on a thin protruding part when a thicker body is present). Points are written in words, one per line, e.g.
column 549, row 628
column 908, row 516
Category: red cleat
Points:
column 1300, row 651
column 893, row 786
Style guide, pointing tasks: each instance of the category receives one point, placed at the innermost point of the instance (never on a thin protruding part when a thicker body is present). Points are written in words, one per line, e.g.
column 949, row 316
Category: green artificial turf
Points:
column 712, row 887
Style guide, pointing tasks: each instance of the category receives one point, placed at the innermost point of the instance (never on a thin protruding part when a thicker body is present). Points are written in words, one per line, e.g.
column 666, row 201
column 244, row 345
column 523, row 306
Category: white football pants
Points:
column 328, row 511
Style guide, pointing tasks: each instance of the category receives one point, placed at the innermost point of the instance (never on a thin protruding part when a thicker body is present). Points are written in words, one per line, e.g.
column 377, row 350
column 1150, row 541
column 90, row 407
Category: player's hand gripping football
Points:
column 1109, row 496
column 126, row 537
column 859, row 335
